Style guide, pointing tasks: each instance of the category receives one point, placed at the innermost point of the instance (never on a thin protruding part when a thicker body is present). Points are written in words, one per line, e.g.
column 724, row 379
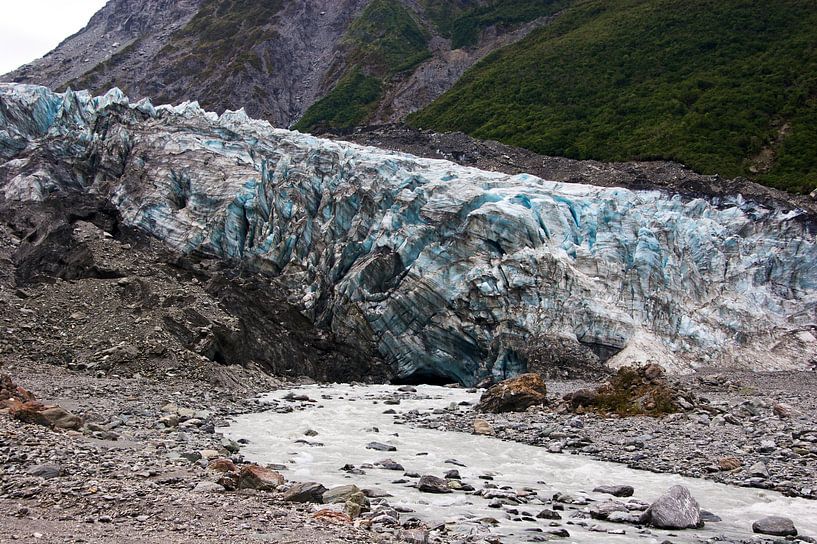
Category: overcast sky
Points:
column 31, row 28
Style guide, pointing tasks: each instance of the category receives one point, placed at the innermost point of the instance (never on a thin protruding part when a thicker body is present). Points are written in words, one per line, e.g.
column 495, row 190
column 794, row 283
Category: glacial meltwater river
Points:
column 345, row 417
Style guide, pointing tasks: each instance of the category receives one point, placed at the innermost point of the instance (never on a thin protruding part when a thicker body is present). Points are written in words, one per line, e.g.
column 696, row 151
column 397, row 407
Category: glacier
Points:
column 449, row 272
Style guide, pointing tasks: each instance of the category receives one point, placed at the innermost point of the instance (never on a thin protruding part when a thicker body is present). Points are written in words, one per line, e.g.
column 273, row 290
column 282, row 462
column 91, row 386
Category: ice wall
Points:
column 449, row 271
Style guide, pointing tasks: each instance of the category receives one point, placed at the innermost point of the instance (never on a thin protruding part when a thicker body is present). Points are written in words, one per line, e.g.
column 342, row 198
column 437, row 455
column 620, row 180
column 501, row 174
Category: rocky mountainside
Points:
column 353, row 60
column 727, row 89
column 446, row 272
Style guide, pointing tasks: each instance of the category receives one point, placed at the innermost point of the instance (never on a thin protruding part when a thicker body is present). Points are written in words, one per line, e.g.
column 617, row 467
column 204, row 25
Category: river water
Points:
column 347, row 418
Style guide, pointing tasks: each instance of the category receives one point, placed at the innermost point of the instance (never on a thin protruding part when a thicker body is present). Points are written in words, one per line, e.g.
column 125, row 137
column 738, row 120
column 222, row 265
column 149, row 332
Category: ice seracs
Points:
column 448, row 272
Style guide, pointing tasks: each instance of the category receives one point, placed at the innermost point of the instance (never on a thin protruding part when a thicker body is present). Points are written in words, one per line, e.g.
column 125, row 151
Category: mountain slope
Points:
column 726, row 87
column 278, row 59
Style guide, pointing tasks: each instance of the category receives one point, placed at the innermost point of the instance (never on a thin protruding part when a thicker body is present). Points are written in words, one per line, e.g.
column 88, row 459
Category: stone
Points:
column 259, row 478
column 414, row 536
column 729, row 463
column 582, row 397
column 759, row 470
column 601, row 510
column 433, row 484
column 483, row 427
column 514, row 394
column 775, row 526
column 615, row 490
column 356, row 504
column 230, row 445
column 47, row 471
column 632, row 390
column 305, row 492
column 209, row 454
column 49, row 416
column 783, row 410
column 548, row 514
column 60, row 418
column 379, row 446
column 208, row 487
column 389, row 464
column 340, row 494
column 767, row 446
column 622, row 517
column 222, row 465
column 676, row 509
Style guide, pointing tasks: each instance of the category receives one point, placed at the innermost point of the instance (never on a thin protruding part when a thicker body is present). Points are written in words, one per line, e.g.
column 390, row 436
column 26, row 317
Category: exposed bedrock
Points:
column 449, row 272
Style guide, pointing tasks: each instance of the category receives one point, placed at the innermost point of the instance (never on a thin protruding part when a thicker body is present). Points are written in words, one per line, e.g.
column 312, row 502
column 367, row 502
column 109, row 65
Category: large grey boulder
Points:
column 676, row 509
column 340, row 494
column 775, row 526
column 432, row 484
column 305, row 492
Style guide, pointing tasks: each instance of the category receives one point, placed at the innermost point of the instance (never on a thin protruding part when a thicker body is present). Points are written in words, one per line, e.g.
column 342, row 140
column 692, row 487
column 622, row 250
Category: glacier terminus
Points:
column 448, row 273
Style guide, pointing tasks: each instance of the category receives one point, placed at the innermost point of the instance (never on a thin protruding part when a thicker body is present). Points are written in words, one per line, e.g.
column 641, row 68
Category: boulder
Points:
column 783, row 410
column 379, row 446
column 340, row 494
column 514, row 394
column 47, row 471
column 676, row 509
column 775, row 526
column 615, row 490
column 258, row 477
column 305, row 492
column 356, row 504
column 601, row 510
column 221, row 465
column 432, row 484
column 49, row 416
column 729, row 463
column 208, row 487
column 483, row 427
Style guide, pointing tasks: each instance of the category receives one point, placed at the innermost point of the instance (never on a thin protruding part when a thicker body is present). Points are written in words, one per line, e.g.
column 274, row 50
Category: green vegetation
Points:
column 629, row 393
column 387, row 39
column 351, row 102
column 465, row 30
column 384, row 40
column 712, row 84
column 464, row 20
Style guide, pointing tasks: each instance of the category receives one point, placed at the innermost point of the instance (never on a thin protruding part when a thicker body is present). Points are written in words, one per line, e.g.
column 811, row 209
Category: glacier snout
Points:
column 451, row 273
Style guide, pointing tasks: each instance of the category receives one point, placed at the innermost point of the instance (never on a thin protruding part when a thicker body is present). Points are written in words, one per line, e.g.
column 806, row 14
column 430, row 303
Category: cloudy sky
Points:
column 31, row 28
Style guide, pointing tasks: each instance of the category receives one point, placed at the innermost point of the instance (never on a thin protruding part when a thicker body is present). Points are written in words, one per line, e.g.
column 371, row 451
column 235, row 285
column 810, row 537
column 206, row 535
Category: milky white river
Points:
column 345, row 417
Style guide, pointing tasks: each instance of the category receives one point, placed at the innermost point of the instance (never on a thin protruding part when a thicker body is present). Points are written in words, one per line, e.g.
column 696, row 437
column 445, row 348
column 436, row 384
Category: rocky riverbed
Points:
column 753, row 429
column 137, row 471
column 146, row 462
column 481, row 488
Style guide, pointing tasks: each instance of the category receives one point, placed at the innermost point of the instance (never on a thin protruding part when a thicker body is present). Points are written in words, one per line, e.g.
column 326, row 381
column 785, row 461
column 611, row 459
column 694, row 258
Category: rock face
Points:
column 677, row 509
column 280, row 58
column 447, row 272
column 514, row 394
column 775, row 525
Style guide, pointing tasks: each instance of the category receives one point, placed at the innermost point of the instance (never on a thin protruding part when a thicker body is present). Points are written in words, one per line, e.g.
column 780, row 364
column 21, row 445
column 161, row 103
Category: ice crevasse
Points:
column 448, row 272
